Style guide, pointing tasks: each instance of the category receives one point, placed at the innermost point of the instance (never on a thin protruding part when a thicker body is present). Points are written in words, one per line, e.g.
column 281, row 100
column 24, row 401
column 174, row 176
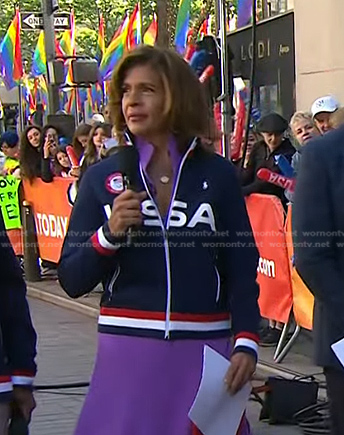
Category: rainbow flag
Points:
column 28, row 100
column 134, row 36
column 114, row 51
column 101, row 40
column 89, row 105
column 68, row 47
column 41, row 92
column 204, row 30
column 63, row 100
column 244, row 12
column 10, row 54
column 151, row 33
column 182, row 26
column 39, row 63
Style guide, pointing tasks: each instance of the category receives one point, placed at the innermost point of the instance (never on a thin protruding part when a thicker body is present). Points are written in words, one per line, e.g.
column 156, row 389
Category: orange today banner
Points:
column 267, row 220
column 51, row 211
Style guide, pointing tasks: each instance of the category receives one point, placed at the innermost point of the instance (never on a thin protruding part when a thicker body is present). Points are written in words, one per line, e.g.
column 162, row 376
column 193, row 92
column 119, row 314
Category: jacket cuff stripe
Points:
column 246, row 342
column 248, row 335
column 5, row 387
column 5, row 379
column 101, row 244
column 22, row 380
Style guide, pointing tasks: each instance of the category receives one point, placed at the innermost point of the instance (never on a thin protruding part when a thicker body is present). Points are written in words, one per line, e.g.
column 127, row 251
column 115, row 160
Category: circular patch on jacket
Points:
column 115, row 183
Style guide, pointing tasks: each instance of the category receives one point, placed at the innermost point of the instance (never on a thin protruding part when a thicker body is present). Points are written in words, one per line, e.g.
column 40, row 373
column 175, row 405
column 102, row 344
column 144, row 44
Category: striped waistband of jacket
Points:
column 6, row 388
column 153, row 324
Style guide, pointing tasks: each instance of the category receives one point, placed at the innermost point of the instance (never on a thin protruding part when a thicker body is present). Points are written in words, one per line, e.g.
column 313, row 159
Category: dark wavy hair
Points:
column 81, row 130
column 91, row 155
column 30, row 157
column 45, row 130
column 186, row 109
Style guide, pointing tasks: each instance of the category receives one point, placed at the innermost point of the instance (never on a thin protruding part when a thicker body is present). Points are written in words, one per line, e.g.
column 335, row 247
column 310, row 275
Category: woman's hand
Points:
column 75, row 172
column 24, row 400
column 243, row 366
column 126, row 212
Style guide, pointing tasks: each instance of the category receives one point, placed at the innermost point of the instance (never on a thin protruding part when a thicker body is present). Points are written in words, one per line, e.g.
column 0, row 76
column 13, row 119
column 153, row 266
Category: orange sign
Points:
column 303, row 300
column 51, row 210
column 267, row 219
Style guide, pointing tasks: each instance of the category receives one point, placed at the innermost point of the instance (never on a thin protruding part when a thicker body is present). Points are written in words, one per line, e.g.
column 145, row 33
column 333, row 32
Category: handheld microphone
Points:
column 285, row 166
column 72, row 156
column 128, row 162
column 276, row 179
column 207, row 73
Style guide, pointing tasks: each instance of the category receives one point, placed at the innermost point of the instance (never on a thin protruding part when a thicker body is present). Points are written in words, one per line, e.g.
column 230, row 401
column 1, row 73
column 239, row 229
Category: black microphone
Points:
column 128, row 166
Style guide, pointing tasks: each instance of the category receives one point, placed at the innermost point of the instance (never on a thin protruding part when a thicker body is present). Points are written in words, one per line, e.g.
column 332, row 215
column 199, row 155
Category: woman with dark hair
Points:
column 172, row 286
column 30, row 152
column 80, row 139
column 50, row 142
column 98, row 134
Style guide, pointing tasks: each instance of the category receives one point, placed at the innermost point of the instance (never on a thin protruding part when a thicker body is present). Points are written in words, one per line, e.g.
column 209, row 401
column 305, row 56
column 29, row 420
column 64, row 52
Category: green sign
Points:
column 9, row 201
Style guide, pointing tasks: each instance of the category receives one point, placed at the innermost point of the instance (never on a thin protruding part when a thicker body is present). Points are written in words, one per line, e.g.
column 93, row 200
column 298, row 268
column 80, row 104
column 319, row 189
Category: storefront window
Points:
column 267, row 97
column 278, row 6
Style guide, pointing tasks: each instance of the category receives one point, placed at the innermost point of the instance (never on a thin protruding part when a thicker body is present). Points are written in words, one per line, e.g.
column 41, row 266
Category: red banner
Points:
column 267, row 219
column 51, row 210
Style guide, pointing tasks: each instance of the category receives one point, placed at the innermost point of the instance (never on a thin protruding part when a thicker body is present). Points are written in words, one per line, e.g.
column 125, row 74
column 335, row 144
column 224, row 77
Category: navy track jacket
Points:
column 190, row 274
column 17, row 335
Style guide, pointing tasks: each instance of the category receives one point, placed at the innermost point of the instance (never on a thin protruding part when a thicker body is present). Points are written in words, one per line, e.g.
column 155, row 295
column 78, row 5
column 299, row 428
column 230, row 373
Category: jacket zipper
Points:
column 165, row 235
column 113, row 280
column 218, row 285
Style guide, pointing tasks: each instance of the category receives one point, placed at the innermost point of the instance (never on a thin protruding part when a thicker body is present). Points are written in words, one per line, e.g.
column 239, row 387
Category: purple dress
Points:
column 145, row 386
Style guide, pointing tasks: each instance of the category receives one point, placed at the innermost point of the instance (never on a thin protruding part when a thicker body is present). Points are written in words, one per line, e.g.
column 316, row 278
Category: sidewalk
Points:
column 297, row 362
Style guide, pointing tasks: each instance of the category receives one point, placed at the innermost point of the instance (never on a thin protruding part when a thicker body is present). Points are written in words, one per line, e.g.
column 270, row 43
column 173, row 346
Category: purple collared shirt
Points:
column 146, row 151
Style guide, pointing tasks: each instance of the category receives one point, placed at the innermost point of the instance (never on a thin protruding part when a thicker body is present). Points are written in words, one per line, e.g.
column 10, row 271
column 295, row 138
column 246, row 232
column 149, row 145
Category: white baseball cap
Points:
column 326, row 104
column 98, row 117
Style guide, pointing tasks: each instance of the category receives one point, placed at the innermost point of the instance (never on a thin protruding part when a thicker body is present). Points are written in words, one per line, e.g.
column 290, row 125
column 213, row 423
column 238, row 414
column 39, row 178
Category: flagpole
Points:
column 225, row 84
column 141, row 19
column 21, row 111
column 252, row 79
column 49, row 42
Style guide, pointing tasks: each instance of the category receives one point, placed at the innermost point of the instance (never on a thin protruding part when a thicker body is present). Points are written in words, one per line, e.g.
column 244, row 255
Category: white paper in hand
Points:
column 215, row 411
column 338, row 349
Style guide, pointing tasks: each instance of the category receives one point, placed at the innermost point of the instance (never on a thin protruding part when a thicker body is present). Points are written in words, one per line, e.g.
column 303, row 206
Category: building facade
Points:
column 275, row 66
column 319, row 35
column 300, row 53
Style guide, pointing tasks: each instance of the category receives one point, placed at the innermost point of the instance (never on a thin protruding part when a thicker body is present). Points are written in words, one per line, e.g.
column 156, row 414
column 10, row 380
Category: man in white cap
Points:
column 322, row 108
column 97, row 118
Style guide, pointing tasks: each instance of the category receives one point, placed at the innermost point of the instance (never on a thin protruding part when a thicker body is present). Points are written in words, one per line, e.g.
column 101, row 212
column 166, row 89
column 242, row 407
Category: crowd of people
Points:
column 161, row 304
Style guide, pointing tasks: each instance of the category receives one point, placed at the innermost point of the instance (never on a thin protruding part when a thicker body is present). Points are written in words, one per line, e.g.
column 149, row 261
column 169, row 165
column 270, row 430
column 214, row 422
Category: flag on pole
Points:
column 101, row 39
column 182, row 26
column 10, row 54
column 203, row 30
column 39, row 63
column 134, row 35
column 151, row 33
column 42, row 92
column 114, row 51
column 68, row 47
column 244, row 12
